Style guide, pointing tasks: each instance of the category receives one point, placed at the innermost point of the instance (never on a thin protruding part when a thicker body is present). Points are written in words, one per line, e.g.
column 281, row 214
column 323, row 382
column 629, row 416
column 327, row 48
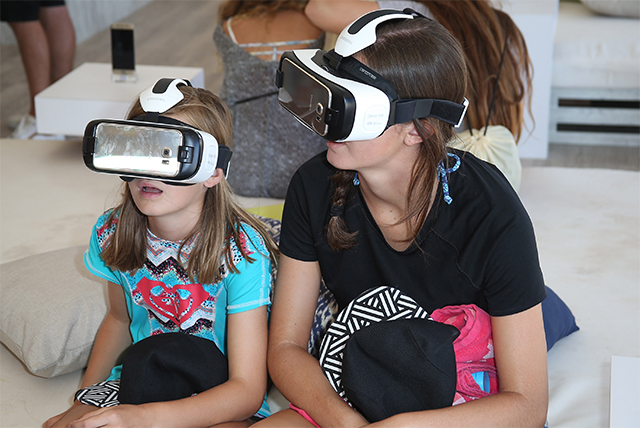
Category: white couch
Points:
column 595, row 95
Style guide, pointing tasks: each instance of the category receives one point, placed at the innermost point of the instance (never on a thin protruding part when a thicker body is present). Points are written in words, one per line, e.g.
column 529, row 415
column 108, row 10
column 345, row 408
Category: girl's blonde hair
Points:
column 221, row 219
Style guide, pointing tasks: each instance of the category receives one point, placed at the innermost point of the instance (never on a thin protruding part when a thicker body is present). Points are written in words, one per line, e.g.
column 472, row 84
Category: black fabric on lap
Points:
column 400, row 366
column 170, row 366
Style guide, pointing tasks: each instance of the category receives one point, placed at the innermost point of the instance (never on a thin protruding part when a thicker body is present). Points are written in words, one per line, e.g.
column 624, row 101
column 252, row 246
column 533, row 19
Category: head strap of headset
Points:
column 361, row 34
column 163, row 96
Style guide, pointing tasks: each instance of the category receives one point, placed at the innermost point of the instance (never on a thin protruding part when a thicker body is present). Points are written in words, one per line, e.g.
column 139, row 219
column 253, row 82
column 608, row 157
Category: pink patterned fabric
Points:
column 473, row 349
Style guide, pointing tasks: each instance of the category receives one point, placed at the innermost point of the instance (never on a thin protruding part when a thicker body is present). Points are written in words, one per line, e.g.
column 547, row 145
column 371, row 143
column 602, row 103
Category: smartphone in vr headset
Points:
column 306, row 97
column 159, row 151
column 326, row 103
column 142, row 153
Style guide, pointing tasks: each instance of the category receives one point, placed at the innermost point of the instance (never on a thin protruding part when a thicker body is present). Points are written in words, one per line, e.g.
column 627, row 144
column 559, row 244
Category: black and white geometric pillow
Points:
column 377, row 304
column 103, row 394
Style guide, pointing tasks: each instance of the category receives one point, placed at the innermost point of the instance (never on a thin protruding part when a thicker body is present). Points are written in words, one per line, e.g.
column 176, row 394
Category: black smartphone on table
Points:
column 123, row 52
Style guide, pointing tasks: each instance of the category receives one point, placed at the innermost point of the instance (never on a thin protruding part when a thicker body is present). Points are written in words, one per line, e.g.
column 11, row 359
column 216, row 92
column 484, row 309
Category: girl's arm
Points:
column 334, row 15
column 111, row 341
column 521, row 360
column 235, row 400
column 294, row 371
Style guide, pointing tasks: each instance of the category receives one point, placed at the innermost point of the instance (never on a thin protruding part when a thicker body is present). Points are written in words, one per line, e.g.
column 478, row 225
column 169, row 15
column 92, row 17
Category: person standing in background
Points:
column 47, row 42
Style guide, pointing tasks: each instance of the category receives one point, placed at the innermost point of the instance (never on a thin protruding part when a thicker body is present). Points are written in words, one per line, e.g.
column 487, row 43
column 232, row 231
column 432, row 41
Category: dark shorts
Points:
column 24, row 10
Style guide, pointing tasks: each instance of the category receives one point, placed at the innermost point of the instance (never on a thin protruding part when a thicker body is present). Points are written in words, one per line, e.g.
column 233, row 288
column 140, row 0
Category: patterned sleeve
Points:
column 251, row 287
column 99, row 239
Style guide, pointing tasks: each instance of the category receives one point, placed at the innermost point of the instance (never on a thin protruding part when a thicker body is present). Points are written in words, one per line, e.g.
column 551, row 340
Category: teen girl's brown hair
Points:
column 484, row 34
column 421, row 59
column 257, row 7
column 221, row 217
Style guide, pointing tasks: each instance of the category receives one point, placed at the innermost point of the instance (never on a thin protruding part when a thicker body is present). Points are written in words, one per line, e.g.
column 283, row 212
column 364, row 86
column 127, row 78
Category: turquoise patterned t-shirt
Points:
column 161, row 299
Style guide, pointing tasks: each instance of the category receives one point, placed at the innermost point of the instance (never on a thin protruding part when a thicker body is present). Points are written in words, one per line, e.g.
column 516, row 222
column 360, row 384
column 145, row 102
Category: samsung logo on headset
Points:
column 367, row 73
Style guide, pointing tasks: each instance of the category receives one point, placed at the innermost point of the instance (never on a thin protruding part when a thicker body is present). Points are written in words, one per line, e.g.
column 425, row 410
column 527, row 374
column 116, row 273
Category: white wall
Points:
column 537, row 20
column 89, row 17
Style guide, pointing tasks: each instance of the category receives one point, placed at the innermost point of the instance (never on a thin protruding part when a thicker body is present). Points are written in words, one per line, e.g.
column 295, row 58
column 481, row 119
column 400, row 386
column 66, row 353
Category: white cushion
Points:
column 50, row 311
column 595, row 51
column 628, row 8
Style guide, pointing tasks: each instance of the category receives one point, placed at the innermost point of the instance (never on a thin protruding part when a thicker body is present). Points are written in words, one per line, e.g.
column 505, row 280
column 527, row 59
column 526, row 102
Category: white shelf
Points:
column 88, row 93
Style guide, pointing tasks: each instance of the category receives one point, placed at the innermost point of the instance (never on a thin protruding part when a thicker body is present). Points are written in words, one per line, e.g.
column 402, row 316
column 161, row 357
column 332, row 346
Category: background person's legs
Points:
column 34, row 50
column 61, row 37
column 46, row 39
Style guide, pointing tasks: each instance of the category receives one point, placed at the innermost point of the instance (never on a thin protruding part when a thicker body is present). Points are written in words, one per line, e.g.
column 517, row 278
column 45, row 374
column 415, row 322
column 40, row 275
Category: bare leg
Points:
column 241, row 424
column 61, row 37
column 34, row 50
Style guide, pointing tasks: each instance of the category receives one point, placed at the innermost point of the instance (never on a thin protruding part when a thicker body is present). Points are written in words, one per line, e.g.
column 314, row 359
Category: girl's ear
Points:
column 412, row 137
column 215, row 178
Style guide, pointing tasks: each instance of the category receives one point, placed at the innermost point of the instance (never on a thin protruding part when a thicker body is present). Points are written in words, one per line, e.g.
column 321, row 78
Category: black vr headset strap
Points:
column 407, row 110
column 359, row 72
column 224, row 158
column 155, row 118
column 162, row 85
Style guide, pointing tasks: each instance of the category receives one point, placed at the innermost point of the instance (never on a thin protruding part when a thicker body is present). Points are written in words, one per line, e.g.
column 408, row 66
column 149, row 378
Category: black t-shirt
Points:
column 480, row 249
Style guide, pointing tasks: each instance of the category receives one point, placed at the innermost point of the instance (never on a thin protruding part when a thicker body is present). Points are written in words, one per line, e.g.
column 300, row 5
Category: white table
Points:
column 624, row 394
column 88, row 93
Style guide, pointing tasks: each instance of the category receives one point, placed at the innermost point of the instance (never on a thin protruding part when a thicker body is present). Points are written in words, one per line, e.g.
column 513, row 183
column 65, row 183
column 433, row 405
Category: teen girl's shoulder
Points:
column 317, row 166
column 480, row 177
column 311, row 184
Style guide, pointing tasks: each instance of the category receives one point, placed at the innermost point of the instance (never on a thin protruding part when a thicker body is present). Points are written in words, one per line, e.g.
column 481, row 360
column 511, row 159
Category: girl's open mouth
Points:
column 149, row 189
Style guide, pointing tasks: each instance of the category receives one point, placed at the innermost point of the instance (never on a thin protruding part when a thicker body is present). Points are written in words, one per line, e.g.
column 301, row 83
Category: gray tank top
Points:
column 269, row 144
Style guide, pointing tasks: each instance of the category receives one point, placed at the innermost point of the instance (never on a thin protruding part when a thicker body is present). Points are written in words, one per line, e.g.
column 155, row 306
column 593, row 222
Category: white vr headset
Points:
column 154, row 146
column 341, row 99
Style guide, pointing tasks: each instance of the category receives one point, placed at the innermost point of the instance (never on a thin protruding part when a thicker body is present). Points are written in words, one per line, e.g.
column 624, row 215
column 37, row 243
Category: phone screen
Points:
column 304, row 96
column 122, row 52
column 138, row 149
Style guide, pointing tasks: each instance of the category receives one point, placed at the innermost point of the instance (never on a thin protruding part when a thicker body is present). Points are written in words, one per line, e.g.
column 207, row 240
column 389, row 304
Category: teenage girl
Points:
column 161, row 246
column 403, row 210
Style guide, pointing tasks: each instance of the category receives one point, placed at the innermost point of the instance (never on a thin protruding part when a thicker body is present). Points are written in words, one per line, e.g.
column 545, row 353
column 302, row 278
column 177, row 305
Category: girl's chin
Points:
column 333, row 144
column 338, row 161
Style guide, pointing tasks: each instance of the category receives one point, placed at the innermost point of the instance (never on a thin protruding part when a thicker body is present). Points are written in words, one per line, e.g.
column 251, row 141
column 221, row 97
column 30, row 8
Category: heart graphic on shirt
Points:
column 178, row 302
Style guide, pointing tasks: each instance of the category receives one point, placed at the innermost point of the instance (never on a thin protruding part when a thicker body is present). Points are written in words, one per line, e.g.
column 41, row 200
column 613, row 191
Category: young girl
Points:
column 181, row 259
column 403, row 210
